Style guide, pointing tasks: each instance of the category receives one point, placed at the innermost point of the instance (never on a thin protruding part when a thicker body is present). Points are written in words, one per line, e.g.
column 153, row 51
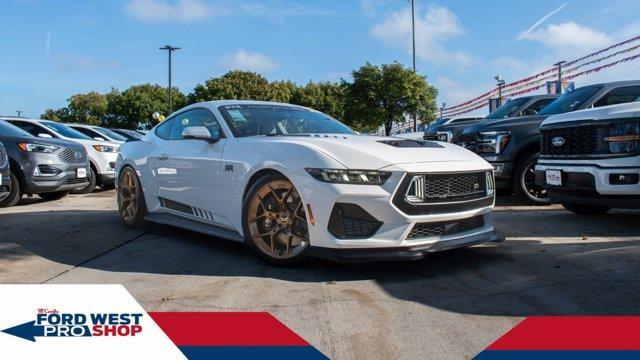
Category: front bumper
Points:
column 5, row 184
column 66, row 180
column 105, row 164
column 393, row 237
column 589, row 183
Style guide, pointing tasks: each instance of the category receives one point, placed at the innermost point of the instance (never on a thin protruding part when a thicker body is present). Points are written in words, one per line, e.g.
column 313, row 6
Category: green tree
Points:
column 59, row 115
column 282, row 91
column 387, row 94
column 327, row 97
column 237, row 84
column 135, row 106
column 89, row 108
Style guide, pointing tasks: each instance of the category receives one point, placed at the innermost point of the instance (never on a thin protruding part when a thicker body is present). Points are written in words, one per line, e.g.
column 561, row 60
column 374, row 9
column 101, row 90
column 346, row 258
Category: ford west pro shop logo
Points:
column 54, row 323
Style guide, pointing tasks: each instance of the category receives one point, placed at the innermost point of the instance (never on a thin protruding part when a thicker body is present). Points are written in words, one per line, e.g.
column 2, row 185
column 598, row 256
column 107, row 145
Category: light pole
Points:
column 413, row 43
column 19, row 112
column 501, row 83
column 170, row 49
column 444, row 104
column 559, row 65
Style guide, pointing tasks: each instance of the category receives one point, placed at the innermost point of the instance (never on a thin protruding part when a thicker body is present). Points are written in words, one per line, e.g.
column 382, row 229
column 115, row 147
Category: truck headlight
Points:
column 493, row 142
column 106, row 148
column 444, row 136
column 624, row 137
column 490, row 183
column 30, row 147
column 343, row 176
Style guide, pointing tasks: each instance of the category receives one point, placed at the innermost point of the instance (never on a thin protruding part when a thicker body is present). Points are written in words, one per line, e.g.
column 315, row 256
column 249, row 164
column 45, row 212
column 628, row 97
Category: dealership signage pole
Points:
column 170, row 49
column 501, row 83
column 413, row 41
column 559, row 65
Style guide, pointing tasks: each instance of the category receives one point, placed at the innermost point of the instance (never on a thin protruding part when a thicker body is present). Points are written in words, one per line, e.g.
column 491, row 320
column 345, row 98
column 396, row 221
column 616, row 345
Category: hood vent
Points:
column 401, row 143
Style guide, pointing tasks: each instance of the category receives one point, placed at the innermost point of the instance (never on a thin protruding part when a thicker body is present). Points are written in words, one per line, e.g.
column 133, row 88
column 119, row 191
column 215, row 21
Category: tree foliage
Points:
column 237, row 85
column 327, row 97
column 135, row 106
column 387, row 94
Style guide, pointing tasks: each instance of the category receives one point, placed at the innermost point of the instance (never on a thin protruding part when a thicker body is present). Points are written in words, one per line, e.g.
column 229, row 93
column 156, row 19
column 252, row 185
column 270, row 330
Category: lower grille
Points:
column 350, row 221
column 444, row 228
column 570, row 141
column 48, row 170
column 3, row 157
column 73, row 156
column 77, row 181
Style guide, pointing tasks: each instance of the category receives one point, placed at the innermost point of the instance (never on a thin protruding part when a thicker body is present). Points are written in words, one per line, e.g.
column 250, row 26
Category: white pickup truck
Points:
column 590, row 159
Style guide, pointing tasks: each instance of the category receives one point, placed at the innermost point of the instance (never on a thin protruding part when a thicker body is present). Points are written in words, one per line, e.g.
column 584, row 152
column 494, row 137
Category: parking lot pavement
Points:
column 450, row 305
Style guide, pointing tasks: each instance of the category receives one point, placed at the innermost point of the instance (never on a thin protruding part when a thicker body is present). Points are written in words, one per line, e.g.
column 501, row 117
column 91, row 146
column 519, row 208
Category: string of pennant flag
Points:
column 538, row 80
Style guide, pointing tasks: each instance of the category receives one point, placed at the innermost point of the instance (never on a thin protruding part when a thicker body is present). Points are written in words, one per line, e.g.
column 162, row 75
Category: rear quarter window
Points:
column 163, row 130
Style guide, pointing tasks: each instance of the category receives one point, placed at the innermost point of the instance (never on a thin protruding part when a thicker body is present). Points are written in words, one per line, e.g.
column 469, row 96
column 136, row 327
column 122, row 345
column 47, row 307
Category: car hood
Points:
column 7, row 140
column 91, row 142
column 376, row 152
column 618, row 111
column 504, row 124
column 459, row 126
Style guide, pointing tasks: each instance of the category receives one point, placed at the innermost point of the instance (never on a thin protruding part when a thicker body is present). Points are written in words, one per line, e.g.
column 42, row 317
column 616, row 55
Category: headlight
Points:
column 340, row 176
column 490, row 183
column 624, row 137
column 444, row 136
column 106, row 148
column 493, row 141
column 37, row 148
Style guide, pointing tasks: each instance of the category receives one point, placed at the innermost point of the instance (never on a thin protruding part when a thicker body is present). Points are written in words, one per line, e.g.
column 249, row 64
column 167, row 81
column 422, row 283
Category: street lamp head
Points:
column 498, row 78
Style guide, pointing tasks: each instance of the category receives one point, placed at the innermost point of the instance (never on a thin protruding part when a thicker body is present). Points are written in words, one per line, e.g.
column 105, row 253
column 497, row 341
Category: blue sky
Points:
column 53, row 49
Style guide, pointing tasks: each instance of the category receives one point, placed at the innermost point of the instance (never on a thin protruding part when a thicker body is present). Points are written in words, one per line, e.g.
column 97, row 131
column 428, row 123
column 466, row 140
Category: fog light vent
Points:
column 350, row 221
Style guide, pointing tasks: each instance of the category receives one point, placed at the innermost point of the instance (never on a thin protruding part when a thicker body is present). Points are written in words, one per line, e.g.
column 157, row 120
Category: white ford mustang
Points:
column 290, row 181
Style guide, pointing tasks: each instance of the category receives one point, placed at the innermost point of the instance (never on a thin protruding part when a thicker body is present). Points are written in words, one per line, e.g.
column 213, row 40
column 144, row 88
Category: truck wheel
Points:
column 586, row 209
column 15, row 194
column 524, row 182
column 92, row 183
column 54, row 195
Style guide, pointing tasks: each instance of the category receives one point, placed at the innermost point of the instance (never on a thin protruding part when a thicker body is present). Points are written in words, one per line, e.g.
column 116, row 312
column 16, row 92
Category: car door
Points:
column 192, row 178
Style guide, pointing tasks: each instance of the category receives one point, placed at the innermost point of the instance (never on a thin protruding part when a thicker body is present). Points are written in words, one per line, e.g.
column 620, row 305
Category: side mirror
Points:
column 99, row 138
column 199, row 133
column 45, row 135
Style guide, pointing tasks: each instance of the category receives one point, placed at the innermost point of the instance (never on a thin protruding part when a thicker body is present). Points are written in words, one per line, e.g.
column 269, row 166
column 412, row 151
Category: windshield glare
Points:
column 434, row 125
column 112, row 135
column 64, row 130
column 507, row 109
column 7, row 129
column 274, row 120
column 570, row 101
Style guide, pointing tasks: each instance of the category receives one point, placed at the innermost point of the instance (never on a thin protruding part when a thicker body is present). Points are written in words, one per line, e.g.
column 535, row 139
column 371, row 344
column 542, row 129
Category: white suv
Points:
column 102, row 154
column 590, row 159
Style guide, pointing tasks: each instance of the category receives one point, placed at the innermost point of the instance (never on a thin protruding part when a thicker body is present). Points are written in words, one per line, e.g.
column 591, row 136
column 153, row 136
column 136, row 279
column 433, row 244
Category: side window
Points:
column 164, row 130
column 88, row 132
column 196, row 117
column 32, row 129
column 540, row 104
column 619, row 95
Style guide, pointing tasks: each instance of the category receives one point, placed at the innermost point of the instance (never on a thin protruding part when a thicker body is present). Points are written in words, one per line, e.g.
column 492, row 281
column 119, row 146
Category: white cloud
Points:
column 569, row 36
column 252, row 61
column 542, row 20
column 162, row 10
column 47, row 44
column 432, row 30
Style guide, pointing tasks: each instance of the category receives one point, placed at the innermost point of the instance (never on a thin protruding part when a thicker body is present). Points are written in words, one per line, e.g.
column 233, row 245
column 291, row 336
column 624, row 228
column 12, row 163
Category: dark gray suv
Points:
column 47, row 167
column 5, row 179
column 512, row 145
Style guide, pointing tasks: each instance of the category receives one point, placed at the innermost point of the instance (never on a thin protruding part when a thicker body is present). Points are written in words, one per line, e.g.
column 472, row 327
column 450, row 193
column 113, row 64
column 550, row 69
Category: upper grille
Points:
column 443, row 228
column 577, row 140
column 73, row 156
column 3, row 157
column 469, row 141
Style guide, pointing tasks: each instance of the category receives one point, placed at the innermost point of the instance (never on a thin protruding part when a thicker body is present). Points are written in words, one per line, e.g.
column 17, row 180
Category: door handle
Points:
column 162, row 157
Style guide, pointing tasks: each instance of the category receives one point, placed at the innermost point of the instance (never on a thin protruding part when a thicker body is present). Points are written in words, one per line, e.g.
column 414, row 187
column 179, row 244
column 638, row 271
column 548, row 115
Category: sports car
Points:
column 291, row 182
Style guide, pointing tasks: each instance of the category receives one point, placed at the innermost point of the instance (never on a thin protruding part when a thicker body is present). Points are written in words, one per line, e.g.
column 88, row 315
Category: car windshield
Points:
column 64, row 130
column 7, row 129
column 571, row 101
column 434, row 125
column 507, row 109
column 275, row 120
column 112, row 135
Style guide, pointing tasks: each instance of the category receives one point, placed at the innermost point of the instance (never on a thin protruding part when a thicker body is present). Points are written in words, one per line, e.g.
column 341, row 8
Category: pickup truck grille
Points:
column 469, row 141
column 570, row 141
column 3, row 157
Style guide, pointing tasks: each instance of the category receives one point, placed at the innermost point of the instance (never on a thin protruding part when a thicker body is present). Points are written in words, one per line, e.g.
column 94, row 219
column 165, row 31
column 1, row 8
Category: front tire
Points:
column 15, row 194
column 91, row 186
column 524, row 183
column 57, row 195
column 586, row 209
column 131, row 203
column 274, row 221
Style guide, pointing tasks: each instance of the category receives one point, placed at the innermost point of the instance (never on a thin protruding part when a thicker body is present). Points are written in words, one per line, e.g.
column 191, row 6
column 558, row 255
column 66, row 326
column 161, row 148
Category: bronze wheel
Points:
column 130, row 200
column 275, row 220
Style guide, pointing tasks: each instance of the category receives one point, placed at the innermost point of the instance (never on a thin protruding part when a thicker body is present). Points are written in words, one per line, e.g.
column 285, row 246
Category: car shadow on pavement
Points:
column 520, row 277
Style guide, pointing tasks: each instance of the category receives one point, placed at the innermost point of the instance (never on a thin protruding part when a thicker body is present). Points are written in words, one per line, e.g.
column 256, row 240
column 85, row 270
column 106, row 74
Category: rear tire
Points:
column 586, row 209
column 274, row 221
column 91, row 186
column 524, row 185
column 131, row 203
column 15, row 194
column 57, row 195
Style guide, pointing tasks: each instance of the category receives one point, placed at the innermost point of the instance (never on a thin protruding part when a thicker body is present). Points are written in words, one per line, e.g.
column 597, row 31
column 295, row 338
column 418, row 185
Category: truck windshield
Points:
column 507, row 109
column 434, row 125
column 571, row 101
